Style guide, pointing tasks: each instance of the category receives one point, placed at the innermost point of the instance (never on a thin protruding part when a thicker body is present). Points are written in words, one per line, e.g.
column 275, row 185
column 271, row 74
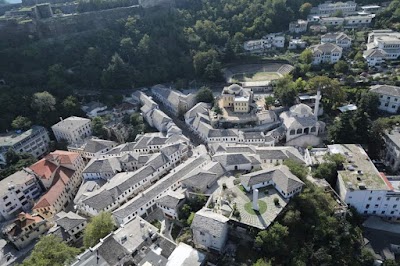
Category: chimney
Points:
column 61, row 119
column 255, row 199
column 316, row 107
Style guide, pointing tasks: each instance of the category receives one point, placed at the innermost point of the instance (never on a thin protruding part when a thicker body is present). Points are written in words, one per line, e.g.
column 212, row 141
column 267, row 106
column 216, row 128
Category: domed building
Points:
column 237, row 97
column 302, row 126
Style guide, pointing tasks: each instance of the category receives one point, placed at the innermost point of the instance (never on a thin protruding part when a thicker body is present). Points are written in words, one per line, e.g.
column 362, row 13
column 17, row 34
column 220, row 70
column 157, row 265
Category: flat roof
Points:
column 18, row 178
column 14, row 137
column 359, row 172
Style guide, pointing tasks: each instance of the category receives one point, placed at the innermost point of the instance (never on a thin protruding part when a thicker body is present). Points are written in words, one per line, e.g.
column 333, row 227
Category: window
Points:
column 367, row 206
column 395, row 206
column 201, row 233
column 370, row 198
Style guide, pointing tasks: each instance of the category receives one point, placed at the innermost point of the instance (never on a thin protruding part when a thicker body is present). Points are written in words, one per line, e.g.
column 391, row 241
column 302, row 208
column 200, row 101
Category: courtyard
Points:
column 268, row 209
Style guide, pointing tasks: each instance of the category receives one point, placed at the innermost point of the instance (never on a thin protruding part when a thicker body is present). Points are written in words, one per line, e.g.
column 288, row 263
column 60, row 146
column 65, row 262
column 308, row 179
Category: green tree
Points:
column 21, row 122
column 100, row 226
column 342, row 129
column 56, row 76
column 43, row 102
column 205, row 95
column 269, row 101
column 98, row 128
column 190, row 219
column 341, row 67
column 306, row 56
column 117, row 75
column 332, row 92
column 51, row 250
column 297, row 169
column 70, row 106
column 305, row 9
column 362, row 126
column 273, row 240
column 262, row 262
column 369, row 103
column 285, row 91
column 207, row 65
column 327, row 171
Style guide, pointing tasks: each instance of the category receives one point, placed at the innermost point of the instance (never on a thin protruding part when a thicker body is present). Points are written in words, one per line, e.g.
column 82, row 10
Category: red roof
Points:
column 48, row 165
column 44, row 168
column 61, row 179
column 20, row 223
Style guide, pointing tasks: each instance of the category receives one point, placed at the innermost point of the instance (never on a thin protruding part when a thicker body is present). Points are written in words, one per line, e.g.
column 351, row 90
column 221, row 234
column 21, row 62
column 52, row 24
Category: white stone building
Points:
column 392, row 148
column 329, row 8
column 339, row 38
column 298, row 26
column 374, row 57
column 176, row 102
column 297, row 44
column 358, row 20
column 331, row 21
column 268, row 42
column 68, row 226
column 170, row 204
column 361, row 186
column 326, row 53
column 34, row 141
column 210, row 230
column 72, row 129
column 17, row 193
column 386, row 42
column 280, row 177
column 389, row 97
column 302, row 126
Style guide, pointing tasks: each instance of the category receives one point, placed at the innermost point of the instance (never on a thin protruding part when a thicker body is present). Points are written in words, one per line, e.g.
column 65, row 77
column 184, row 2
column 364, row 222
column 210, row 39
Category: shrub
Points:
column 276, row 201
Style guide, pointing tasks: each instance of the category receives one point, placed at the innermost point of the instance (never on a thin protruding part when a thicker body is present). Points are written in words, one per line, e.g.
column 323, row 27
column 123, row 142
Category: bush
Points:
column 276, row 201
column 224, row 186
column 236, row 182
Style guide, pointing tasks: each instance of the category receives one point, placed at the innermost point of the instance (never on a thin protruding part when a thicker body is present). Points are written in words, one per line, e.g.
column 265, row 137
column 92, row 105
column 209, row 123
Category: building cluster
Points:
column 382, row 45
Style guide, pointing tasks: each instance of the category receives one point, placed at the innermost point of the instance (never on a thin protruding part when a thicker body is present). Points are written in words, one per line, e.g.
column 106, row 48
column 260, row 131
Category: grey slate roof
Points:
column 170, row 201
column 386, row 90
column 214, row 133
column 69, row 220
column 231, row 159
column 326, row 48
column 280, row 175
column 103, row 165
column 179, row 172
column 111, row 251
column 96, row 145
column 279, row 153
column 207, row 221
column 378, row 53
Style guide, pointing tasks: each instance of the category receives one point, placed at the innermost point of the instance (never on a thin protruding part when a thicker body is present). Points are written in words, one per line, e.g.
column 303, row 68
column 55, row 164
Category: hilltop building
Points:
column 326, row 53
column 382, row 45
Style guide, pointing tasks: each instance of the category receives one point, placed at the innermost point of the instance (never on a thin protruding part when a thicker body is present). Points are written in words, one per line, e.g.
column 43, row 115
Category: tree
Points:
column 117, row 75
column 190, row 219
column 338, row 13
column 327, row 171
column 262, row 262
column 369, row 102
column 332, row 92
column 21, row 122
column 269, row 101
column 56, row 76
column 341, row 67
column 70, row 106
column 305, row 9
column 51, row 250
column 285, row 91
column 205, row 95
column 297, row 169
column 273, row 240
column 12, row 157
column 98, row 127
column 206, row 65
column 100, row 226
column 342, row 130
column 306, row 56
column 362, row 126
column 43, row 102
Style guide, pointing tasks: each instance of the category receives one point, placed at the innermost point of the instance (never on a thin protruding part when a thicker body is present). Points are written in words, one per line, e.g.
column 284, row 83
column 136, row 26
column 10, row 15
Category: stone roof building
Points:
column 210, row 230
column 326, row 53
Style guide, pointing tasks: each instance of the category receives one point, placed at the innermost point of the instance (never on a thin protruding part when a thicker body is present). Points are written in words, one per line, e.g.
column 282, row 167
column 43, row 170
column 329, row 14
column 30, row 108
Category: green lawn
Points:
column 261, row 204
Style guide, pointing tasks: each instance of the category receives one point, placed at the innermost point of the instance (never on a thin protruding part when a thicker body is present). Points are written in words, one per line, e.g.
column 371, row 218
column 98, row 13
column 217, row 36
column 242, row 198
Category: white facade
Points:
column 361, row 185
column 392, row 149
column 326, row 53
column 298, row 26
column 72, row 129
column 34, row 141
column 17, row 193
column 338, row 38
column 389, row 97
column 330, row 8
column 356, row 21
column 272, row 40
column 382, row 44
column 332, row 21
